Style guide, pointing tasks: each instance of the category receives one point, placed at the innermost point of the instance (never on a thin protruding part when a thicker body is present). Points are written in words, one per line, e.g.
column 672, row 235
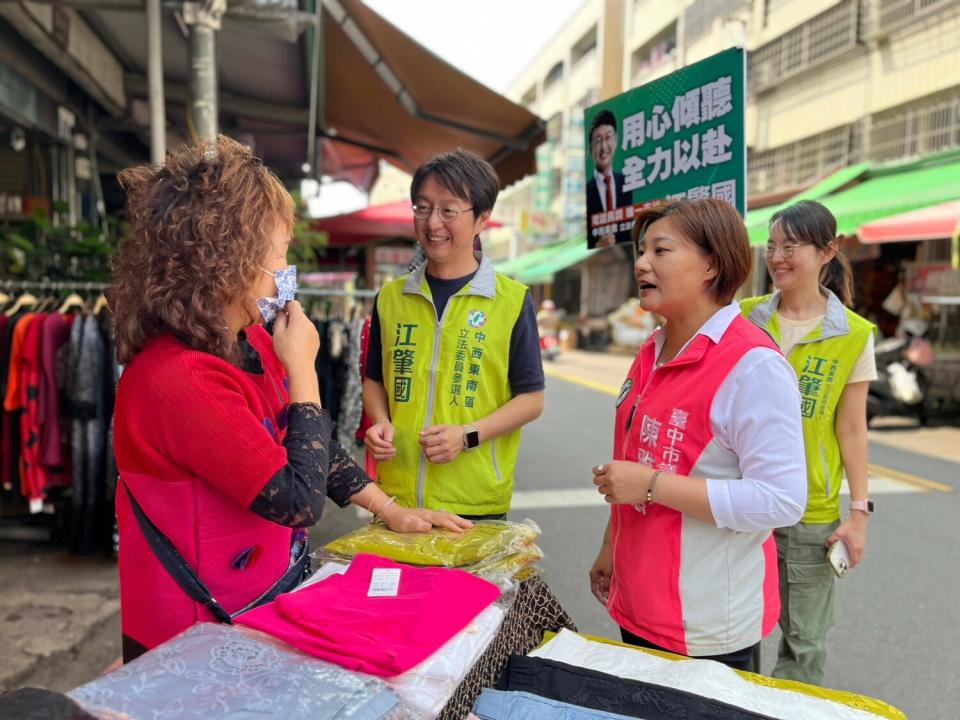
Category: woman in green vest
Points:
column 831, row 350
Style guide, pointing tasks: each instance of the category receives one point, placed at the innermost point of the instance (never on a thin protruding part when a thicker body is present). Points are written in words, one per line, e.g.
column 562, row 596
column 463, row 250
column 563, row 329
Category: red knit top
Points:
column 183, row 414
column 196, row 439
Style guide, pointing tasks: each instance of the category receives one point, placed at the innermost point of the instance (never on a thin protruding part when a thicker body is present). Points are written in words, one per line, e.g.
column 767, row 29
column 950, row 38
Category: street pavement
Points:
column 897, row 635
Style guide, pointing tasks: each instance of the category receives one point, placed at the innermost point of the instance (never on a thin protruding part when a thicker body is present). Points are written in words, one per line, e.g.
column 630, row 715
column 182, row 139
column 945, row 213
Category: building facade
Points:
column 831, row 83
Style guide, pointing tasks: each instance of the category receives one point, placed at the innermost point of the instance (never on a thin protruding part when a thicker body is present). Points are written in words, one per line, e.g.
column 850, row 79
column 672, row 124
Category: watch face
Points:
column 473, row 438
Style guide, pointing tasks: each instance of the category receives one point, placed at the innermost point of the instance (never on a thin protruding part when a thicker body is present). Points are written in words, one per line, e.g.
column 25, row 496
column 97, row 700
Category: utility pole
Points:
column 203, row 20
column 158, row 131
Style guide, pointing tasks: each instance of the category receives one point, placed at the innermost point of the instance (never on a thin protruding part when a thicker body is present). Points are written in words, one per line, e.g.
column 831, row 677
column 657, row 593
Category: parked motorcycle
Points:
column 901, row 385
column 548, row 327
column 549, row 345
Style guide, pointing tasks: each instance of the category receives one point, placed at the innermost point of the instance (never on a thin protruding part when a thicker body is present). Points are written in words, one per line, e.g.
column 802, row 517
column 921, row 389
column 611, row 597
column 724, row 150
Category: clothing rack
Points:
column 332, row 292
column 52, row 285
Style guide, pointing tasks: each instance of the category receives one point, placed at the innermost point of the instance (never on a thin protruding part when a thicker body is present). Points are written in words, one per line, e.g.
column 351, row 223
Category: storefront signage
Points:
column 933, row 279
column 681, row 136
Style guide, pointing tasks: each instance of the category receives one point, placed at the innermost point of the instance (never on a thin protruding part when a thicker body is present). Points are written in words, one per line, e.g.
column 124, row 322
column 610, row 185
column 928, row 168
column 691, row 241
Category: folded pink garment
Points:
column 336, row 621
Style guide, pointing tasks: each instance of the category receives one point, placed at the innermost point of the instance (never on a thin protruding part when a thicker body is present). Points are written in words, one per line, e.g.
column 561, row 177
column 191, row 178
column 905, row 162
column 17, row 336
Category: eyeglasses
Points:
column 786, row 250
column 447, row 215
column 598, row 140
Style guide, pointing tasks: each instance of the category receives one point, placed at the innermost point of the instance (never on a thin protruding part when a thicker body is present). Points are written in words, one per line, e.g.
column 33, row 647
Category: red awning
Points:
column 373, row 223
column 932, row 223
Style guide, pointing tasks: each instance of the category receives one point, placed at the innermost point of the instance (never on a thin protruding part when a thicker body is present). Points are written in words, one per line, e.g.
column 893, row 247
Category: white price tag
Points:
column 385, row 582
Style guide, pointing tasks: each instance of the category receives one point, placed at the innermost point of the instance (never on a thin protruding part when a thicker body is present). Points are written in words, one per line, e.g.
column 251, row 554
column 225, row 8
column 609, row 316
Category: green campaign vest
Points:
column 823, row 360
column 449, row 371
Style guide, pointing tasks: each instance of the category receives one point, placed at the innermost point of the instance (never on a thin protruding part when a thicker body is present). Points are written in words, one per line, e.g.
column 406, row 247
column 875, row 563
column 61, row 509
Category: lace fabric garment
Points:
column 221, row 672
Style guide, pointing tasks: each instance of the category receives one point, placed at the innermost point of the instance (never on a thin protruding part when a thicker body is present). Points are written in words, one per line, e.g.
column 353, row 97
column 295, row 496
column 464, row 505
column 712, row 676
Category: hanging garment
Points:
column 337, row 620
column 54, row 450
column 600, row 691
column 33, row 475
column 222, row 672
column 351, row 406
column 90, row 527
column 364, row 347
column 111, row 374
column 13, row 501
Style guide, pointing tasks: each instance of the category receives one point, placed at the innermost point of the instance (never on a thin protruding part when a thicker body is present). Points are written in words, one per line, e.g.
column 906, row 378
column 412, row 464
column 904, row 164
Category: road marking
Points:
column 883, row 480
column 880, row 484
column 553, row 499
column 908, row 479
column 575, row 379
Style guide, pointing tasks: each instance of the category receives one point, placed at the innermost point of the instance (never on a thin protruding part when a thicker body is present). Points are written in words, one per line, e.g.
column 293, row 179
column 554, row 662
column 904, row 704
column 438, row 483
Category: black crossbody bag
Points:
column 193, row 586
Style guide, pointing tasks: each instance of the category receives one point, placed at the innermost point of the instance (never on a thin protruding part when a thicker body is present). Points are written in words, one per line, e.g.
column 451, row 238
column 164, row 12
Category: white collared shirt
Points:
column 755, row 465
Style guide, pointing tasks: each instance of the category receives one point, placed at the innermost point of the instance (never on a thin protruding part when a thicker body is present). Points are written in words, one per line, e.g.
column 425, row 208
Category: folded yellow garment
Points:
column 504, row 569
column 485, row 540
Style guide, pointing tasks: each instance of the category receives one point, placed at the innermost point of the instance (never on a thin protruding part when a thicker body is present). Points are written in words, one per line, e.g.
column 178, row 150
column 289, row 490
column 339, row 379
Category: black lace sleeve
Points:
column 346, row 478
column 316, row 467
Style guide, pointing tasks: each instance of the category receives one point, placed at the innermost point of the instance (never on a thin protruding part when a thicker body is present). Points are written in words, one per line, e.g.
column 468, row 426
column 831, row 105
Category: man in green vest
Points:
column 453, row 368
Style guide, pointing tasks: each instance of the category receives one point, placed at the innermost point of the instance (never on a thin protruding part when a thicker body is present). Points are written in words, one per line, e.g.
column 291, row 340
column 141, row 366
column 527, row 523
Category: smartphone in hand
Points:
column 839, row 557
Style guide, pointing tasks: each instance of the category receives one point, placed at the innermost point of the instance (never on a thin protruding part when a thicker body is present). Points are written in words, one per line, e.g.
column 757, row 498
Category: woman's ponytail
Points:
column 837, row 277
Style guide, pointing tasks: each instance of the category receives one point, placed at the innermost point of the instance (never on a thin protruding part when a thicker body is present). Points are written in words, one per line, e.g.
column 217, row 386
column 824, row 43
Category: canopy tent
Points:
column 932, row 223
column 381, row 95
column 377, row 222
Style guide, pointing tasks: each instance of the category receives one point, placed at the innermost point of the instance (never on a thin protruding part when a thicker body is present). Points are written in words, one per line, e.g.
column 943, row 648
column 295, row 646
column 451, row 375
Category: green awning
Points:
column 883, row 190
column 759, row 220
column 534, row 257
column 575, row 251
column 893, row 189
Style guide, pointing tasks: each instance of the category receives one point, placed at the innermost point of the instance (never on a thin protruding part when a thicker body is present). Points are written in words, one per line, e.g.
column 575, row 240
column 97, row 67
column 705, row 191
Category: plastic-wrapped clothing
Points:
column 503, row 570
column 486, row 539
column 336, row 620
column 600, row 691
column 500, row 705
column 429, row 685
column 214, row 672
column 713, row 680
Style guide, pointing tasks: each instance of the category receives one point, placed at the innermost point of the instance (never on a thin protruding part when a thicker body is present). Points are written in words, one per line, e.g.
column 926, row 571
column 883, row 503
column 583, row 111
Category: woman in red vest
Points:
column 223, row 449
column 708, row 451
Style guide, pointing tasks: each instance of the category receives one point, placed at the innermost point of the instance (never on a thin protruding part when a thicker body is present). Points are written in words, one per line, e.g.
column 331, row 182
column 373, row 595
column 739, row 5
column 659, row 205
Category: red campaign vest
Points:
column 209, row 529
column 663, row 421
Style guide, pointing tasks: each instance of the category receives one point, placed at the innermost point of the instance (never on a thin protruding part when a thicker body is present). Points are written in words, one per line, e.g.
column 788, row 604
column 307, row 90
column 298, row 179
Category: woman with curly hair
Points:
column 224, row 451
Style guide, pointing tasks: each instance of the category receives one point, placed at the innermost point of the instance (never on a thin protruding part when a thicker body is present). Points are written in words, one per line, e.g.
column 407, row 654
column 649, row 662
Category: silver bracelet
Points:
column 651, row 485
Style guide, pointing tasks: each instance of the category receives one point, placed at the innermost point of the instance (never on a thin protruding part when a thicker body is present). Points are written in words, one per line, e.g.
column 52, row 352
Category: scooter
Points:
column 549, row 344
column 901, row 385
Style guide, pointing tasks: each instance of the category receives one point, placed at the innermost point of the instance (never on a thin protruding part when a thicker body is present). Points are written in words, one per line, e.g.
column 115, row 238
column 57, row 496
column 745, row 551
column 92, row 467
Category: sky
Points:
column 490, row 40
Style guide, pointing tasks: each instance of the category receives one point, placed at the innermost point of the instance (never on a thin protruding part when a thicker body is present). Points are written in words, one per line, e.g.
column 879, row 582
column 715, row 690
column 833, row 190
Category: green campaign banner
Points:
column 681, row 136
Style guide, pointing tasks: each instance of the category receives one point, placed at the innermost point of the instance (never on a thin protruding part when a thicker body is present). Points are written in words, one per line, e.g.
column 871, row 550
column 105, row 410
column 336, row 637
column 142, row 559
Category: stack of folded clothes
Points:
column 572, row 677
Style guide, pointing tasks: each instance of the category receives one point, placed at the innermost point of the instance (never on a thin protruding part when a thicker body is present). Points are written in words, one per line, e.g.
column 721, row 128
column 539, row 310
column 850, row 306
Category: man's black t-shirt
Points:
column 526, row 368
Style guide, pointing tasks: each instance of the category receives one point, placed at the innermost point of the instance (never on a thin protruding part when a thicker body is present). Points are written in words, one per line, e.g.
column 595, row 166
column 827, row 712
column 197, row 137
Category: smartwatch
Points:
column 864, row 506
column 471, row 437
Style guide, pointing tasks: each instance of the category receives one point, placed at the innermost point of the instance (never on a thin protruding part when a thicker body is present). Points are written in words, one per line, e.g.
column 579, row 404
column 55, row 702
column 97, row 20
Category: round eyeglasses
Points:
column 447, row 215
column 786, row 250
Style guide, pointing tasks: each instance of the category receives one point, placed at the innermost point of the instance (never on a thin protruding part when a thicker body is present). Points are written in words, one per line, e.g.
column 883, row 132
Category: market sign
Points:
column 937, row 279
column 681, row 136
